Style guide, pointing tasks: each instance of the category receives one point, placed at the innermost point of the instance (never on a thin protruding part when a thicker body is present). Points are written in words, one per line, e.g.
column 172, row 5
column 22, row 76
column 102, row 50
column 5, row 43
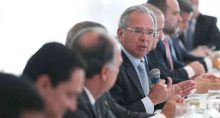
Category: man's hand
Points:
column 158, row 93
column 197, row 67
column 206, row 82
column 183, row 88
column 201, row 51
column 170, row 106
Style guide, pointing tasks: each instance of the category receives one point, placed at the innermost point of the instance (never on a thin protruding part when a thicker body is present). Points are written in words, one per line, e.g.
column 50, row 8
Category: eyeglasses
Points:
column 139, row 31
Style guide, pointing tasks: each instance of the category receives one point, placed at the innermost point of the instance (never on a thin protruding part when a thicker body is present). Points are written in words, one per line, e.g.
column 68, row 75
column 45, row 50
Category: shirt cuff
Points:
column 159, row 115
column 148, row 105
column 208, row 62
column 189, row 71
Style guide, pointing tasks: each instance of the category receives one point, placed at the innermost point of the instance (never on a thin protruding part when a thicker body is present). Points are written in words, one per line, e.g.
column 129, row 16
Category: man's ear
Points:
column 43, row 84
column 104, row 73
column 119, row 33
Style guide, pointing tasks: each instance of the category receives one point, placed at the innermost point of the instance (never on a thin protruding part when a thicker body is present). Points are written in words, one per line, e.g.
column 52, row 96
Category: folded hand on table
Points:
column 206, row 82
column 170, row 106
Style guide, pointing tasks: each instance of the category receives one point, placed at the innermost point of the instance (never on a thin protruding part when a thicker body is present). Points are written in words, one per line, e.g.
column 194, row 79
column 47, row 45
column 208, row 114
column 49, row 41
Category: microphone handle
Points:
column 155, row 80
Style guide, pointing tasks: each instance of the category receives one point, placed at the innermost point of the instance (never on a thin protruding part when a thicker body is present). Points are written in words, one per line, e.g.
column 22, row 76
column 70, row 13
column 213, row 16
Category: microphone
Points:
column 155, row 75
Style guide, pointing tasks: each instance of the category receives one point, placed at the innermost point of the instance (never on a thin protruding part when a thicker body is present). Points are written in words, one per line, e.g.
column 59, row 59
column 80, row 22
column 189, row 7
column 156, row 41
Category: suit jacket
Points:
column 157, row 59
column 184, row 56
column 206, row 32
column 110, row 109
column 84, row 109
column 127, row 90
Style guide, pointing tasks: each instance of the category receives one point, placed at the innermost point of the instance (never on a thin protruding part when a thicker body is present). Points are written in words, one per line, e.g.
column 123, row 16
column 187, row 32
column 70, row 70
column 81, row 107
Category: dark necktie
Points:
column 189, row 40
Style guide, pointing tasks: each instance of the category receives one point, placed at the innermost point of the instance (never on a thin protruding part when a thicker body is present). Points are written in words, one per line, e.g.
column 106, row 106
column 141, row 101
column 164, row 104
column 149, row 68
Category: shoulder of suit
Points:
column 208, row 18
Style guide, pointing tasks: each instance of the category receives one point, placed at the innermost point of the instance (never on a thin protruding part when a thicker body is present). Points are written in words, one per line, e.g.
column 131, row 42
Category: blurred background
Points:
column 25, row 25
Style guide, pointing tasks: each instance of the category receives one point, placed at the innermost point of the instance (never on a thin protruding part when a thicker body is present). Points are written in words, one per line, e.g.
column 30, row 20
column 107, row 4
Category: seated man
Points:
column 181, row 53
column 202, row 30
column 134, row 89
column 157, row 61
column 18, row 99
column 58, row 75
column 174, row 67
column 79, row 37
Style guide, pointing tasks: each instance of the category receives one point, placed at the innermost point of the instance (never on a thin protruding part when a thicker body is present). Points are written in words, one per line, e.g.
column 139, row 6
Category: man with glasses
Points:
column 134, row 89
column 138, row 31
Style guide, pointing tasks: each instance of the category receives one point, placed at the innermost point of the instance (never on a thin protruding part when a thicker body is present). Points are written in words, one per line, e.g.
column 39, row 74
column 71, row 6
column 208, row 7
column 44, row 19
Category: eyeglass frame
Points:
column 142, row 31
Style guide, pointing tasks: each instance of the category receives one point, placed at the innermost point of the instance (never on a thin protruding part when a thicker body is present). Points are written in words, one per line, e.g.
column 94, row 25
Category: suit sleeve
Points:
column 177, row 75
column 187, row 58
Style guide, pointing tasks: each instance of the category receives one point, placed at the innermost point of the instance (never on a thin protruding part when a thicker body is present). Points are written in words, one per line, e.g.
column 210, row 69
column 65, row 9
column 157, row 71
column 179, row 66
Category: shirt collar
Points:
column 135, row 61
column 90, row 96
column 165, row 37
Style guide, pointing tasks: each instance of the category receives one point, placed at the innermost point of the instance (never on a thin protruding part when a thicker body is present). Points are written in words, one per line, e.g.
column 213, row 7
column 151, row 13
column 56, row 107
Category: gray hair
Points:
column 123, row 22
column 75, row 34
column 74, row 38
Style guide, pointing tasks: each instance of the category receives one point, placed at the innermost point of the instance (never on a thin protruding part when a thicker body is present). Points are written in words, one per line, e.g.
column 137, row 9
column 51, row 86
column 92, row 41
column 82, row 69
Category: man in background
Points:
column 202, row 31
column 58, row 75
column 173, row 67
column 105, row 104
column 18, row 99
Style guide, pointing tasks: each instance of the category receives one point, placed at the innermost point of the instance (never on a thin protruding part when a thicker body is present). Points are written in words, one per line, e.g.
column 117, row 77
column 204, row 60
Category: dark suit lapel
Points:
column 104, row 106
column 147, row 66
column 132, row 74
column 161, row 49
column 90, row 108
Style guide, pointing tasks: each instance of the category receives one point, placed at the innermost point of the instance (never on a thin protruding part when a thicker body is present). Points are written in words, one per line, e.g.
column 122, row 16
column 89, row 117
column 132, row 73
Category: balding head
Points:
column 92, row 41
column 77, row 29
column 103, row 56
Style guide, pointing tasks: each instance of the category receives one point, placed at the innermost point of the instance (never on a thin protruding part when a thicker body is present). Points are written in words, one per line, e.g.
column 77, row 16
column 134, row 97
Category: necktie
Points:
column 189, row 37
column 143, row 77
column 168, row 53
column 173, row 52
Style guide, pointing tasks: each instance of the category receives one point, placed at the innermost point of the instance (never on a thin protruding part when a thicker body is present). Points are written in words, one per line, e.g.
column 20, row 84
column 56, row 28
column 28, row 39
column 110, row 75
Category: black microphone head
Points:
column 155, row 75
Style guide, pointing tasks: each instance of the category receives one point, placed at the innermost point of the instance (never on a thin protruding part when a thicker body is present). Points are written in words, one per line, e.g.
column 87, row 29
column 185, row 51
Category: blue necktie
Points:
column 143, row 77
column 172, row 49
column 189, row 39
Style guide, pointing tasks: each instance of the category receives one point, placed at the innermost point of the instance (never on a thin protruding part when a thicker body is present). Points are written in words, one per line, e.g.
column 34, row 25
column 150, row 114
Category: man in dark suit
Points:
column 156, row 61
column 203, row 30
column 103, row 61
column 18, row 99
column 134, row 89
column 58, row 75
column 169, row 63
column 106, row 106
column 182, row 54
